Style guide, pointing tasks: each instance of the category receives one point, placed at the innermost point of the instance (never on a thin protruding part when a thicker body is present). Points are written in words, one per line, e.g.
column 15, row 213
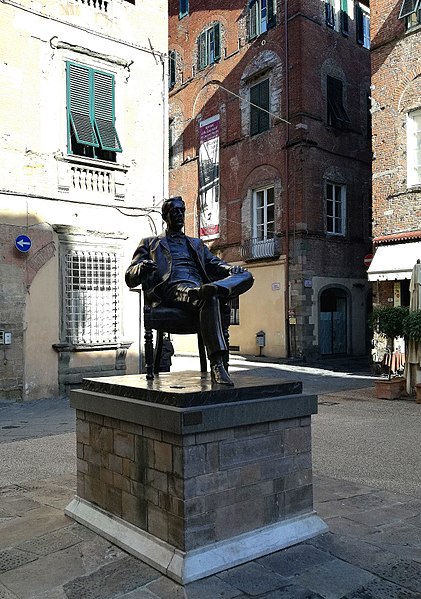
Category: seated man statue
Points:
column 179, row 271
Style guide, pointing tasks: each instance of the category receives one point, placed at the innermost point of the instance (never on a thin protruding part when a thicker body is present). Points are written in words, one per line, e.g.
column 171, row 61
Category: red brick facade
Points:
column 396, row 93
column 297, row 55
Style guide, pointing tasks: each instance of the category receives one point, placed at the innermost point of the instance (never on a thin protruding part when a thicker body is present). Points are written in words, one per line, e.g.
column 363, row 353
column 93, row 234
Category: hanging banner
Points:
column 209, row 178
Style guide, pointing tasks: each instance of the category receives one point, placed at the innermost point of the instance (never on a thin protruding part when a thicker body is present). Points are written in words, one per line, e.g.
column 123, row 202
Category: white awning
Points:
column 394, row 262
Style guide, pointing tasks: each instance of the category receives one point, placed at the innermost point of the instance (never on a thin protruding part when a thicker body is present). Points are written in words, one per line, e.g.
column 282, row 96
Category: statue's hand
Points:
column 147, row 266
column 236, row 270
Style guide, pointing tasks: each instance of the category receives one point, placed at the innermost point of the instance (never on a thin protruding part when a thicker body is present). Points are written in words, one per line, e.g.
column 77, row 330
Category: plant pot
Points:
column 418, row 392
column 392, row 389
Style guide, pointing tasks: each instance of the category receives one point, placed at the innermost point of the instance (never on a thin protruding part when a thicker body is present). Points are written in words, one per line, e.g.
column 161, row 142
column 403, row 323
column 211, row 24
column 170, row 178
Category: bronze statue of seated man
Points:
column 179, row 271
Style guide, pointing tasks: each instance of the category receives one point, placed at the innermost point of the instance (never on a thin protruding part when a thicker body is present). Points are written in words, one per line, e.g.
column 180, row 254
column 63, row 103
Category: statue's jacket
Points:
column 157, row 249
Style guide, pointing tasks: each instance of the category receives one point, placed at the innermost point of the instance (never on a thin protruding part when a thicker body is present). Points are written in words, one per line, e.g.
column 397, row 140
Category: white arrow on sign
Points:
column 22, row 243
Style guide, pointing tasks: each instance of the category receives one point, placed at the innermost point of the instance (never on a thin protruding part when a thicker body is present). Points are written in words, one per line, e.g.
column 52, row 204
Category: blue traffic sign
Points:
column 23, row 243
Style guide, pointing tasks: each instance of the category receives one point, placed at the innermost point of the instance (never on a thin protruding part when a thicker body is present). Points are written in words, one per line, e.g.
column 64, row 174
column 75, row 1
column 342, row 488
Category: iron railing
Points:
column 255, row 248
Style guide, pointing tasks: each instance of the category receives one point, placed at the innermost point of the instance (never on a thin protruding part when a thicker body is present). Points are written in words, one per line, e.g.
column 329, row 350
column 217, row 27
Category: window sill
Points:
column 335, row 235
column 69, row 347
column 91, row 162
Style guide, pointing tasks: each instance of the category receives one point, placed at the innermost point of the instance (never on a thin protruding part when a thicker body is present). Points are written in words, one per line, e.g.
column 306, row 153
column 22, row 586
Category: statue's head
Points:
column 173, row 211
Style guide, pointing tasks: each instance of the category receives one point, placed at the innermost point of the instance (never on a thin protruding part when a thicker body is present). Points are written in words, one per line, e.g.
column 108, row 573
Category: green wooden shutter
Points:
column 344, row 17
column 217, row 40
column 271, row 18
column 264, row 103
column 359, row 18
column 183, row 8
column 253, row 19
column 79, row 94
column 172, row 58
column 201, row 50
column 254, row 110
column 329, row 14
column 104, row 111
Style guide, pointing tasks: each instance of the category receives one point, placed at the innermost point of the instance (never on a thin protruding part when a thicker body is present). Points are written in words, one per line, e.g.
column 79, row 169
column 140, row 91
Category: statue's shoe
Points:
column 219, row 376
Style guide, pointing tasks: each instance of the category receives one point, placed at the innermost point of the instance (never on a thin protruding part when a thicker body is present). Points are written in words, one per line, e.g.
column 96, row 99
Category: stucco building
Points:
column 396, row 94
column 270, row 147
column 82, row 170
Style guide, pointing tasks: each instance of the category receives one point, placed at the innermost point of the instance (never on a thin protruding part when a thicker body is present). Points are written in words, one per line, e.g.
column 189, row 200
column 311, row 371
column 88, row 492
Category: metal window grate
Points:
column 91, row 297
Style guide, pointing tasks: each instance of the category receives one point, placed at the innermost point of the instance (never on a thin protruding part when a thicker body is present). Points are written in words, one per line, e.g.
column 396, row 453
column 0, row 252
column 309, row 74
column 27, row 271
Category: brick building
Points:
column 396, row 97
column 82, row 161
column 270, row 148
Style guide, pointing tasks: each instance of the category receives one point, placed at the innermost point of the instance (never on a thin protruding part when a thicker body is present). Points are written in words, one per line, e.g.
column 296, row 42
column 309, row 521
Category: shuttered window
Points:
column 259, row 107
column 330, row 13
column 336, row 114
column 90, row 113
column 209, row 46
column 172, row 72
column 344, row 17
column 362, row 20
column 262, row 16
column 183, row 8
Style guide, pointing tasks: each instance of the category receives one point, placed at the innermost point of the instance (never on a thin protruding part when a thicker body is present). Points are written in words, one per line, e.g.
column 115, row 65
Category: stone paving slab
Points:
column 373, row 538
column 6, row 594
column 111, row 580
column 373, row 551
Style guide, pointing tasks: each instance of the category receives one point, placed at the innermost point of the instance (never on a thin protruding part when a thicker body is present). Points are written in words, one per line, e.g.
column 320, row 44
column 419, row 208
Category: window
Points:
column 172, row 68
column 330, row 13
column 344, row 17
column 362, row 18
column 171, row 141
column 411, row 12
column 91, row 297
column 183, row 8
column 336, row 114
column 209, row 46
column 234, row 305
column 263, row 223
column 262, row 16
column 335, row 208
column 408, row 8
column 259, row 107
column 414, row 19
column 414, row 148
column 90, row 113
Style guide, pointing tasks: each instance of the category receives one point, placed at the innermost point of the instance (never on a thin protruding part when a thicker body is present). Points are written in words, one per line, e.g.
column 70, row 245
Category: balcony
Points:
column 257, row 249
column 101, row 5
column 87, row 178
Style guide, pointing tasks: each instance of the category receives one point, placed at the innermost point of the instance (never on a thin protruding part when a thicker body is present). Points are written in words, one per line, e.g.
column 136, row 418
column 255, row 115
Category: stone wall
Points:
column 194, row 490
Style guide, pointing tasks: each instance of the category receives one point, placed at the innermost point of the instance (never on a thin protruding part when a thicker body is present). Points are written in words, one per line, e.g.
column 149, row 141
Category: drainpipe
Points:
column 286, row 166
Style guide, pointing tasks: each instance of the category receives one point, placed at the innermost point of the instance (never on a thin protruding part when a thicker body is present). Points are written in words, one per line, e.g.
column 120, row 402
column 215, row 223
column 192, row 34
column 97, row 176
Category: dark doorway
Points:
column 333, row 322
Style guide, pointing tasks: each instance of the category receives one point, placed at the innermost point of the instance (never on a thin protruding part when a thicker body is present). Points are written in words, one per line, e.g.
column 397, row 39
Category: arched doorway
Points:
column 333, row 321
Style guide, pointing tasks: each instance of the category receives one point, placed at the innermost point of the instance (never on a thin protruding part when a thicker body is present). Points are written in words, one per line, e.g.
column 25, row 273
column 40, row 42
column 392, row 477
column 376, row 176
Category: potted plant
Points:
column 412, row 332
column 388, row 321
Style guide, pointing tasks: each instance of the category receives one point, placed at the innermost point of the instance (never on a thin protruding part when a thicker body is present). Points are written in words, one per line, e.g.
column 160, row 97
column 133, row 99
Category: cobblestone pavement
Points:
column 372, row 549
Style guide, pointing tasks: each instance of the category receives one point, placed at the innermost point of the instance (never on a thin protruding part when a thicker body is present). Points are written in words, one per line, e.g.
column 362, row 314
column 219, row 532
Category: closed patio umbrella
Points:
column 413, row 350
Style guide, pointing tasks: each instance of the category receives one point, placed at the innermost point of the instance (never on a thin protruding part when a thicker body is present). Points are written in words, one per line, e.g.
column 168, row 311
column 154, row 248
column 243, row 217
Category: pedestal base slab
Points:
column 185, row 567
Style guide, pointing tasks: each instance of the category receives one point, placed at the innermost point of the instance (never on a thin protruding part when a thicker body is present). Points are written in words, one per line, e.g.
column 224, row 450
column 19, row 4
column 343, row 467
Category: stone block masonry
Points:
column 198, row 485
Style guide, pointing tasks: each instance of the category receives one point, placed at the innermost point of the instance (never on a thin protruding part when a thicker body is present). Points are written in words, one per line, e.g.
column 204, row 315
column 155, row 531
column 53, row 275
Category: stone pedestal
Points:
column 190, row 479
